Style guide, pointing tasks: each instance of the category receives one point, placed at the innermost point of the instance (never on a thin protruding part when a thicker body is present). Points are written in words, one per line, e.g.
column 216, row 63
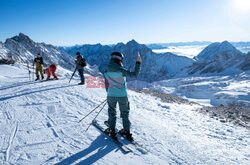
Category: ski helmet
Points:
column 117, row 55
column 78, row 53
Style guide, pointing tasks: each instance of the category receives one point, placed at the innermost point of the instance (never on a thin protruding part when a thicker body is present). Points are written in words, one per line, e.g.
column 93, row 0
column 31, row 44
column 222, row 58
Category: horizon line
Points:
column 124, row 42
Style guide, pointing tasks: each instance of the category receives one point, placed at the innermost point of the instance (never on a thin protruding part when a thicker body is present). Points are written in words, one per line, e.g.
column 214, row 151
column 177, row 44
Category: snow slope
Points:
column 38, row 125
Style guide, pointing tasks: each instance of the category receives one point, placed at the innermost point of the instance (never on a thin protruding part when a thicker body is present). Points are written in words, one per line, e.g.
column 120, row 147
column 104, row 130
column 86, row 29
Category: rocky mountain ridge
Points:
column 24, row 49
column 154, row 66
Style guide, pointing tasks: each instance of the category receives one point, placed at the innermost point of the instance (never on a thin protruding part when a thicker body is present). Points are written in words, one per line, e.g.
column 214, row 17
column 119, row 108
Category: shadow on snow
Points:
column 32, row 92
column 17, row 85
column 20, row 84
column 101, row 143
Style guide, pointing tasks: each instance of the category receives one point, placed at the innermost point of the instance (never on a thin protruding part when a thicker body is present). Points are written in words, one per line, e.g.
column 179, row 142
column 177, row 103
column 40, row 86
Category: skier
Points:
column 51, row 69
column 39, row 66
column 80, row 64
column 115, row 83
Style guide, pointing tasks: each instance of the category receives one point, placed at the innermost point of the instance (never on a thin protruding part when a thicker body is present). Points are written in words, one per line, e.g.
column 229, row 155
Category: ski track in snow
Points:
column 39, row 125
column 7, row 153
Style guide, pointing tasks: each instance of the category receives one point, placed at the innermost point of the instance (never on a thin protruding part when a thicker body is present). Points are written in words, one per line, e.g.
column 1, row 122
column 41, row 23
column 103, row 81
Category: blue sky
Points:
column 69, row 22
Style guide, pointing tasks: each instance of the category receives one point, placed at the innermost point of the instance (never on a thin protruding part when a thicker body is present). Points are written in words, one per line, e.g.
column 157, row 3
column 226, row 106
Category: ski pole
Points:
column 28, row 69
column 33, row 71
column 72, row 75
column 92, row 111
column 96, row 116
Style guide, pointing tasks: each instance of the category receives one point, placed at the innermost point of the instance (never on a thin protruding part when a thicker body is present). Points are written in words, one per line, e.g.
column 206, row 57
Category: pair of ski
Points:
column 123, row 147
column 44, row 80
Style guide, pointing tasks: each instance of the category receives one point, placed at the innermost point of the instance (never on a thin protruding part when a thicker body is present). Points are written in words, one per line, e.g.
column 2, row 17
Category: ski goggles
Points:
column 117, row 57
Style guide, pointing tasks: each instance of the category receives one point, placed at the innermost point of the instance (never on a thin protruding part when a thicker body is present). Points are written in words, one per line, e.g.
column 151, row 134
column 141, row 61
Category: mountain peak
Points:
column 217, row 48
column 21, row 37
column 132, row 42
column 226, row 43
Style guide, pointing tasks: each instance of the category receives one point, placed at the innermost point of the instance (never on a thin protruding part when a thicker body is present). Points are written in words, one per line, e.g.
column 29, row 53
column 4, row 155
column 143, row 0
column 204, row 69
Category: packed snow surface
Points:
column 39, row 125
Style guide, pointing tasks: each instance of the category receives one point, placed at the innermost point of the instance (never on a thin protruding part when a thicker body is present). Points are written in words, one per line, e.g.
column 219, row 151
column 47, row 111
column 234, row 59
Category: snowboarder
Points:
column 80, row 64
column 51, row 69
column 115, row 83
column 39, row 66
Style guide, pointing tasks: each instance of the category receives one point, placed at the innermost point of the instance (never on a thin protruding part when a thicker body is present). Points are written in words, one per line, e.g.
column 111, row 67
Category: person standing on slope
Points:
column 115, row 83
column 80, row 64
column 51, row 69
column 39, row 67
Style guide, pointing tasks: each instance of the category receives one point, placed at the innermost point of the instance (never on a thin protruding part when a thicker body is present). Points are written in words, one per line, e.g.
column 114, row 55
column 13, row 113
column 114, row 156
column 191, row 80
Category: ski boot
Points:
column 111, row 133
column 42, row 77
column 126, row 134
column 37, row 78
column 81, row 83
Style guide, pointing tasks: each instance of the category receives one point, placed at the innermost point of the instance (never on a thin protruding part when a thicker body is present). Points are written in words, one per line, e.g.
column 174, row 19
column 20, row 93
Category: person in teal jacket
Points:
column 115, row 83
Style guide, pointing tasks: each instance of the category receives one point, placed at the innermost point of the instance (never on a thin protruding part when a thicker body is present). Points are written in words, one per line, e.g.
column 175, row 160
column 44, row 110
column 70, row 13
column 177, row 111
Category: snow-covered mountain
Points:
column 217, row 48
column 24, row 49
column 245, row 65
column 3, row 51
column 217, row 59
column 154, row 66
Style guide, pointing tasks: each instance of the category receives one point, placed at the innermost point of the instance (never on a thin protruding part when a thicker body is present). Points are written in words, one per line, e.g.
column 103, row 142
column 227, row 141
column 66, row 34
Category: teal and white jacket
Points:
column 115, row 78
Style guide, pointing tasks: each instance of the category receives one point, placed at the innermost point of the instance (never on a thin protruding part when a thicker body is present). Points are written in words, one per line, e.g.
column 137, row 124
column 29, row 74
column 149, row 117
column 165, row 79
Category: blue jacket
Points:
column 115, row 78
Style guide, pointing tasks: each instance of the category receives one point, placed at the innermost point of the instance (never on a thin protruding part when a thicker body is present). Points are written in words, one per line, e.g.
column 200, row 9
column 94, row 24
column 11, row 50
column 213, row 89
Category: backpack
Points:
column 83, row 62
